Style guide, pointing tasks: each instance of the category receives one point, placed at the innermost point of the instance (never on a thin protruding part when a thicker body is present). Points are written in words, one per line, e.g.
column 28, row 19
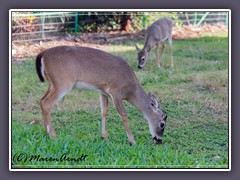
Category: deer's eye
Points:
column 143, row 58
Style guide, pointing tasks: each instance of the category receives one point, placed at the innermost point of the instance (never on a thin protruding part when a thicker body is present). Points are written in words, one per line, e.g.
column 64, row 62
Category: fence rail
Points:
column 36, row 26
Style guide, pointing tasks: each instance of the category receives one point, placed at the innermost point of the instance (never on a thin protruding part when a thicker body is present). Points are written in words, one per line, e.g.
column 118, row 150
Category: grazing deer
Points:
column 157, row 33
column 68, row 66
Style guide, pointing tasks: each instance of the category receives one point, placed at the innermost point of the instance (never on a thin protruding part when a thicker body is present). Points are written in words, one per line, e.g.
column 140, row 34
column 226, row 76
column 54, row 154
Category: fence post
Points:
column 42, row 25
column 76, row 25
column 226, row 20
column 144, row 20
column 195, row 18
column 202, row 19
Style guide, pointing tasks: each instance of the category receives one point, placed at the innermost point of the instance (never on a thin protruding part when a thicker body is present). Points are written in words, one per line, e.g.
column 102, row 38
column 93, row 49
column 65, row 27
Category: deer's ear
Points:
column 153, row 103
column 138, row 50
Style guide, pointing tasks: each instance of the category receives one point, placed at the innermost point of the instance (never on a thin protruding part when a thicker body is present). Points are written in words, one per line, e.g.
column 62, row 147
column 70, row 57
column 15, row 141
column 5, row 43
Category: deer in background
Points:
column 157, row 33
column 67, row 66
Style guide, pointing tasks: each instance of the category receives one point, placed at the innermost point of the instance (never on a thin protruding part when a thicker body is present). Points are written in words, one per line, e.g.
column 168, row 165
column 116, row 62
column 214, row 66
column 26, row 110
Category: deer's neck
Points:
column 145, row 46
column 141, row 100
column 148, row 43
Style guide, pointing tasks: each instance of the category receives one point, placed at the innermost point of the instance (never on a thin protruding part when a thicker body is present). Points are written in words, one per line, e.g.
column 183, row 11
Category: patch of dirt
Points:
column 188, row 32
column 20, row 51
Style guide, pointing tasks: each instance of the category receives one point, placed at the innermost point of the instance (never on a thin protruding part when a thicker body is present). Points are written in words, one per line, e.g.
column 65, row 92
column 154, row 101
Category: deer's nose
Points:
column 157, row 140
column 140, row 67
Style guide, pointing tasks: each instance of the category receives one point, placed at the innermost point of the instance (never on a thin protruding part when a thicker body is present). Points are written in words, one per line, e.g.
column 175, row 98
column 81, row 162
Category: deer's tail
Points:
column 40, row 67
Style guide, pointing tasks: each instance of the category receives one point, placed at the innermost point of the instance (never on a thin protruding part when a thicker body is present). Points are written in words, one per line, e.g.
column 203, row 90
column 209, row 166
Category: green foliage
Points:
column 110, row 21
column 194, row 94
column 104, row 21
column 153, row 16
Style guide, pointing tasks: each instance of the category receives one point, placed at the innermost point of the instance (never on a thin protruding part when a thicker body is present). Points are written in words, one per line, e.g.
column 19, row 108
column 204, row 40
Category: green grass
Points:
column 194, row 93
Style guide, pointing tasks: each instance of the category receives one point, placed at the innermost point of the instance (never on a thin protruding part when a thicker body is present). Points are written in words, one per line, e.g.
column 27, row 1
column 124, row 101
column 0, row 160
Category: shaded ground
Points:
column 96, row 40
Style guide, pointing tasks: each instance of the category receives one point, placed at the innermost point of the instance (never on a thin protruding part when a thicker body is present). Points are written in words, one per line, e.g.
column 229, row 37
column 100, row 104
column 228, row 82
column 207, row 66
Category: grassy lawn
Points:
column 194, row 93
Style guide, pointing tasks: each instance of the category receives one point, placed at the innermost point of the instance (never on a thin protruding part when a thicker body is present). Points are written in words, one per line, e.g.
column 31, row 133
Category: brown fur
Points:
column 157, row 33
column 66, row 66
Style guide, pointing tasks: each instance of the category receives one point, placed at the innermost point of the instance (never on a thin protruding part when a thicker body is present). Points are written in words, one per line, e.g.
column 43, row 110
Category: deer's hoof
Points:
column 51, row 132
column 104, row 136
column 52, row 135
column 132, row 143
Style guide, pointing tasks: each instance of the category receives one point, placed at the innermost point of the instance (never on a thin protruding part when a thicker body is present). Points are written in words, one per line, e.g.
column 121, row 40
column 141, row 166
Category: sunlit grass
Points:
column 194, row 93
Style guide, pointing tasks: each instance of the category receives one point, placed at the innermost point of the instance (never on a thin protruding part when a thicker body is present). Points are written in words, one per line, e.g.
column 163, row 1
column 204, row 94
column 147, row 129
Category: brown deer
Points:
column 68, row 66
column 157, row 33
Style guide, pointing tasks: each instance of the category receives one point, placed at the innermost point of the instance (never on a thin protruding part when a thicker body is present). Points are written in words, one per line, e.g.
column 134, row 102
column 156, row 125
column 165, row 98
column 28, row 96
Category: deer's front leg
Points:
column 122, row 113
column 160, row 56
column 104, row 109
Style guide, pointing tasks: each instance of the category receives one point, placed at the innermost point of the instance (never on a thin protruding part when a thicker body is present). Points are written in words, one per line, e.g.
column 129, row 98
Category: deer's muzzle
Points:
column 140, row 67
column 157, row 140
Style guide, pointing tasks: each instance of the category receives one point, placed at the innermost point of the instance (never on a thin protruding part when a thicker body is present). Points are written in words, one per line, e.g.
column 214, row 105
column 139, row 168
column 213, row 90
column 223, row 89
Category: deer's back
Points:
column 160, row 30
column 88, row 65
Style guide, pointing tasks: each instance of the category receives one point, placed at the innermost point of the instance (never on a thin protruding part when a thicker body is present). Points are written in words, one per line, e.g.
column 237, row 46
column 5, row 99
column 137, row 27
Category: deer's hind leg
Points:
column 53, row 94
column 104, row 109
column 157, row 54
column 170, row 49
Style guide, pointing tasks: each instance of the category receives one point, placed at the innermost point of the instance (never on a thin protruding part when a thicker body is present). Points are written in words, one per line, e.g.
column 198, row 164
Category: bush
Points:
column 123, row 21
